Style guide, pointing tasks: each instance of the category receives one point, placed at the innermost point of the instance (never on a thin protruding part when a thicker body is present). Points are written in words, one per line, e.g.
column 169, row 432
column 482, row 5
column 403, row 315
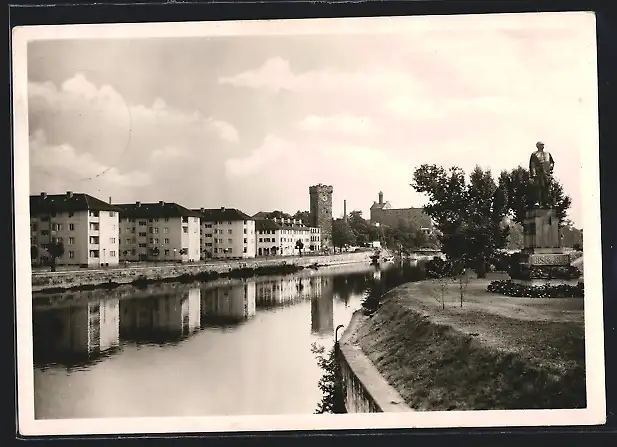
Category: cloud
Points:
column 356, row 172
column 276, row 75
column 341, row 123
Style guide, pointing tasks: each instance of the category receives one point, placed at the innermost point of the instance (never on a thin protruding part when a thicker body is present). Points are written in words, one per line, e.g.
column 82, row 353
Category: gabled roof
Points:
column 222, row 214
column 158, row 209
column 379, row 206
column 69, row 202
column 269, row 224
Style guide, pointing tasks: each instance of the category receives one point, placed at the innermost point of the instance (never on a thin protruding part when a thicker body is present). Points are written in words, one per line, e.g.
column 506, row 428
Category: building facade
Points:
column 159, row 232
column 226, row 233
column 278, row 237
column 382, row 213
column 321, row 212
column 86, row 227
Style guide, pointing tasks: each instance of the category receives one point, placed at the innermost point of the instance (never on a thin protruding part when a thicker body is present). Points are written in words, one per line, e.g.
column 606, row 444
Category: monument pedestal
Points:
column 542, row 260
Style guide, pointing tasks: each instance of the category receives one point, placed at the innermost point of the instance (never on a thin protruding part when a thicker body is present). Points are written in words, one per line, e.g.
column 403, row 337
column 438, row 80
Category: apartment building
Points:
column 279, row 236
column 163, row 231
column 226, row 233
column 86, row 227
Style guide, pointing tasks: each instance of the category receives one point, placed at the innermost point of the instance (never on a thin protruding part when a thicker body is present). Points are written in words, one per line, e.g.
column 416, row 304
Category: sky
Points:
column 252, row 120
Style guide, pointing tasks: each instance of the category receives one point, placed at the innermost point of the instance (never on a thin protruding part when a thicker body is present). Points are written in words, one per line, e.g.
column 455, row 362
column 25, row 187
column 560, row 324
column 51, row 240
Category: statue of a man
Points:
column 541, row 165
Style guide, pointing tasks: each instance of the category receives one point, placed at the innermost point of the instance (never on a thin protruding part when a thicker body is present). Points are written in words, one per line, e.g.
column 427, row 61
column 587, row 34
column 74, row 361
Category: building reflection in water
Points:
column 227, row 304
column 286, row 291
column 322, row 308
column 77, row 333
column 161, row 318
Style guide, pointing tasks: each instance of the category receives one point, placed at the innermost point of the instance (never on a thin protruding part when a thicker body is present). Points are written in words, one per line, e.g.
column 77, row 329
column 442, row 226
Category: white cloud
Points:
column 341, row 123
column 275, row 74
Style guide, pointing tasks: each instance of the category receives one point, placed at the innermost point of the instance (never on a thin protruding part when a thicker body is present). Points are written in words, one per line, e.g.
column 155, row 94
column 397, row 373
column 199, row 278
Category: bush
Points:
column 510, row 288
column 521, row 271
column 439, row 268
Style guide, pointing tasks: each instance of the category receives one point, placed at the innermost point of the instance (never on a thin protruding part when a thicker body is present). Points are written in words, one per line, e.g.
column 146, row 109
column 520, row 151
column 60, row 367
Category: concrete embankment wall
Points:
column 61, row 279
column 364, row 388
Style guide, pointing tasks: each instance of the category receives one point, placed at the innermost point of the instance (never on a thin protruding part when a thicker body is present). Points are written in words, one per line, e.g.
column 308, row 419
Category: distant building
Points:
column 280, row 236
column 86, row 226
column 321, row 212
column 383, row 214
column 160, row 231
column 227, row 233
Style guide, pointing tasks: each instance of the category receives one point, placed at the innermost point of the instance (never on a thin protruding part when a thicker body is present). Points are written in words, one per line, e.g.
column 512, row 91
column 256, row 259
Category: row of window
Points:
column 154, row 241
column 216, row 231
column 91, row 213
column 133, row 252
column 96, row 253
column 229, row 222
column 227, row 250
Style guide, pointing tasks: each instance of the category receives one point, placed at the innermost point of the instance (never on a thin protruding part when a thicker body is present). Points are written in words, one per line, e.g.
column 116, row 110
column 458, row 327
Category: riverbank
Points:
column 61, row 281
column 494, row 352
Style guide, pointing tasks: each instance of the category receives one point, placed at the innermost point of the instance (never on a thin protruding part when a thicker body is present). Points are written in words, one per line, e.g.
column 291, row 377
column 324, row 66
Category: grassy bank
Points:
column 494, row 352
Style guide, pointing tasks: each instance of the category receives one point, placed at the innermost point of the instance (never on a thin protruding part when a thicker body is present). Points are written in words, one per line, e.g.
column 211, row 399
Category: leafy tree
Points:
column 342, row 233
column 274, row 249
column 304, row 216
column 515, row 237
column 155, row 252
column 363, row 230
column 468, row 215
column 572, row 237
column 299, row 246
column 55, row 250
column 520, row 194
column 278, row 215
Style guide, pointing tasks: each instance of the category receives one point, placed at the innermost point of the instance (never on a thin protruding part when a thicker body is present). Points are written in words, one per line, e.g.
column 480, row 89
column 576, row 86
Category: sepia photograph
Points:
column 308, row 224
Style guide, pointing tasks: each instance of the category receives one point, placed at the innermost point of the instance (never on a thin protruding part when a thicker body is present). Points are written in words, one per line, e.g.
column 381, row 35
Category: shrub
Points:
column 510, row 288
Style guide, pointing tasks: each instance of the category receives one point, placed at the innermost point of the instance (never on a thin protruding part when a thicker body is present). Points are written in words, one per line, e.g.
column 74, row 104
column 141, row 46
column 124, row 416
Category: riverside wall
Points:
column 127, row 275
column 364, row 388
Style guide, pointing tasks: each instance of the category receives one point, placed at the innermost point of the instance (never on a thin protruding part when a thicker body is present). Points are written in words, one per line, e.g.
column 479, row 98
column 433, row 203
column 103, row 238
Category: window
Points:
column 112, row 253
column 59, row 240
column 229, row 222
column 208, row 244
column 143, row 234
column 244, row 222
column 155, row 230
column 133, row 230
column 44, row 233
column 112, row 240
column 94, row 214
column 208, row 234
column 150, row 220
column 245, row 231
column 71, row 227
column 244, row 250
column 142, row 223
column 156, row 219
column 165, row 230
column 112, row 214
column 261, row 239
column 94, row 226
column 71, row 254
column 128, row 240
column 94, row 253
column 94, row 239
column 220, row 241
column 71, row 240
column 166, row 219
column 185, row 229
column 229, row 232
column 185, row 220
column 156, row 241
column 208, row 225
column 167, row 252
column 245, row 240
column 166, row 241
column 151, row 240
column 56, row 227
column 142, row 245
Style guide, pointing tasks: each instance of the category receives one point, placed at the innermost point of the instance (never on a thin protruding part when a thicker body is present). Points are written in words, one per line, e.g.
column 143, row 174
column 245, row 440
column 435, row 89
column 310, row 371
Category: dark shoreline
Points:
column 203, row 276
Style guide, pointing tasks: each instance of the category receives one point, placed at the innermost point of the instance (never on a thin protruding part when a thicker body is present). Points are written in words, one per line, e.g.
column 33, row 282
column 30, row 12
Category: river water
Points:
column 227, row 347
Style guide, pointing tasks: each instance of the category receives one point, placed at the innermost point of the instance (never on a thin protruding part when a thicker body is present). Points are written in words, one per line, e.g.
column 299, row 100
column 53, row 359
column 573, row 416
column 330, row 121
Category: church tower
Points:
column 321, row 211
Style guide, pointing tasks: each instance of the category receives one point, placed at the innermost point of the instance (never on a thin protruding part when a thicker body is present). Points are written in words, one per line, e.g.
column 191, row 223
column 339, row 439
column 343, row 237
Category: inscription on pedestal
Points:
column 549, row 259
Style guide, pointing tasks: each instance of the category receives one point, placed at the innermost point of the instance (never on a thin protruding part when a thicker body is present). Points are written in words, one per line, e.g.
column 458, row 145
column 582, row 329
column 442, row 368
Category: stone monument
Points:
column 542, row 259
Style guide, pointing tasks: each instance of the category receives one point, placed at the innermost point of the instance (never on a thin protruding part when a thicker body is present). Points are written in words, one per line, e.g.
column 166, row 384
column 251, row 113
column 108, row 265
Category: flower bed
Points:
column 510, row 288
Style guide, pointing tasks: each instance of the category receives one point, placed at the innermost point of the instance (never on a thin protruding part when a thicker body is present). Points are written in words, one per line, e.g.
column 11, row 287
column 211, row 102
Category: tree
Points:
column 520, row 195
column 304, row 216
column 515, row 237
column 55, row 250
column 363, row 230
column 299, row 246
column 155, row 252
column 278, row 215
column 342, row 234
column 468, row 215
column 274, row 249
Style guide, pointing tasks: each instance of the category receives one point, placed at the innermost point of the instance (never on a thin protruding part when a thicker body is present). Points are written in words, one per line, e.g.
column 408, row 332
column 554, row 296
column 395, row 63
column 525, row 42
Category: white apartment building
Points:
column 160, row 231
column 280, row 236
column 226, row 233
column 86, row 227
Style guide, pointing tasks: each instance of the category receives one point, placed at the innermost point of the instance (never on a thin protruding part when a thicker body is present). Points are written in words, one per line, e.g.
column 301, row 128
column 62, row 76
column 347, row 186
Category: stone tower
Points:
column 321, row 211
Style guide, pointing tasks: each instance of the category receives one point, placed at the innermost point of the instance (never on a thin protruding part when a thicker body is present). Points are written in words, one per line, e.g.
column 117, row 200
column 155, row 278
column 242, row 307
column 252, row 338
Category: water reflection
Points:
column 161, row 318
column 74, row 334
column 227, row 304
column 239, row 346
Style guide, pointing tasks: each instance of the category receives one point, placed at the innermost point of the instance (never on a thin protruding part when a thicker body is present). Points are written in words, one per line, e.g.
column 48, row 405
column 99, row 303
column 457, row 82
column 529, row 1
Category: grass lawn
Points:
column 494, row 352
